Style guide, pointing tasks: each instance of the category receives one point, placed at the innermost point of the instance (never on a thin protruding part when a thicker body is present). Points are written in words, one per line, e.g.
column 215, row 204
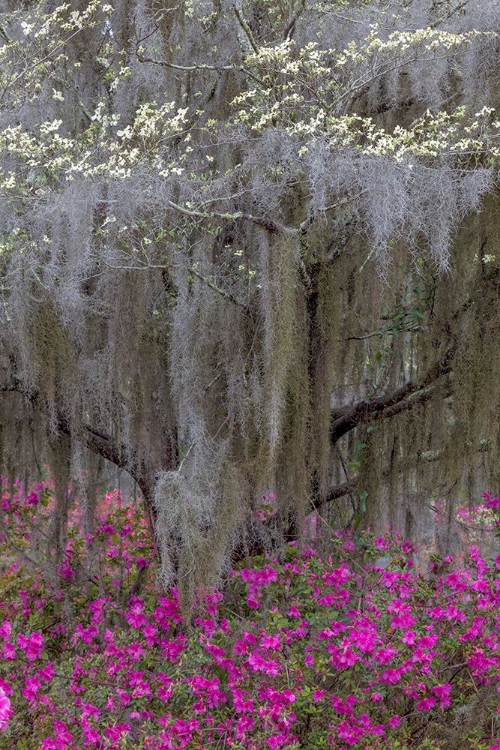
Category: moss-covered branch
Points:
column 402, row 399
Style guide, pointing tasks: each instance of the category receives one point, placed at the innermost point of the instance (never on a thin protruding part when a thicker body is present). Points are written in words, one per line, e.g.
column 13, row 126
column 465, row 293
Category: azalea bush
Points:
column 352, row 650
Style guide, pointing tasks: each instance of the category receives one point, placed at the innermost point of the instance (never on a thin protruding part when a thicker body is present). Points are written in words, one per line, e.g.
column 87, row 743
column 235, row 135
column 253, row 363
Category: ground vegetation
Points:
column 251, row 249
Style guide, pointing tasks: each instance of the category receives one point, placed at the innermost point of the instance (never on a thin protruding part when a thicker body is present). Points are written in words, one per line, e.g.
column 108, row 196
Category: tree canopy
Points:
column 250, row 248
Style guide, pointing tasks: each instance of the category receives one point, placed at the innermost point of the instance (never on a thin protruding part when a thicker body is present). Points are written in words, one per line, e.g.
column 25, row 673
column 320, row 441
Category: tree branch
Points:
column 95, row 440
column 340, row 491
column 104, row 445
column 271, row 226
column 364, row 412
column 246, row 29
column 226, row 295
column 184, row 68
column 290, row 27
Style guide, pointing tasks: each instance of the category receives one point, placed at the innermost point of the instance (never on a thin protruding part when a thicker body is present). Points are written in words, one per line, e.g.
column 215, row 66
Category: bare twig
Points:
column 246, row 29
column 222, row 292
column 270, row 225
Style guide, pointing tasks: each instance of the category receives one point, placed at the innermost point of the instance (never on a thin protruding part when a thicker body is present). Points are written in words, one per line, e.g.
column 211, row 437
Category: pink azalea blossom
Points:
column 426, row 704
column 32, row 645
column 5, row 710
column 491, row 502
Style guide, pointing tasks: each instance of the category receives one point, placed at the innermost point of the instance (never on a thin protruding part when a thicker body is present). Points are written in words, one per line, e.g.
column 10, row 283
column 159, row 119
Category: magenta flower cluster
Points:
column 300, row 653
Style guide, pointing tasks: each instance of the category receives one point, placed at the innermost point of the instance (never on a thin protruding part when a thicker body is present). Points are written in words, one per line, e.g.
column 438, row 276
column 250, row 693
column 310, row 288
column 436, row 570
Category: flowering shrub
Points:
column 5, row 709
column 356, row 650
column 479, row 524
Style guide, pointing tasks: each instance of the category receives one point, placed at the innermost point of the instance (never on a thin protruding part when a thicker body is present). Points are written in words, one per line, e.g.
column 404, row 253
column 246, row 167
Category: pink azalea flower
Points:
column 135, row 651
column 426, row 704
column 491, row 502
column 47, row 673
column 245, row 724
column 5, row 710
column 443, row 693
column 117, row 731
column 31, row 689
column 270, row 642
column 409, row 637
column 135, row 616
column 8, row 652
column 394, row 722
column 32, row 645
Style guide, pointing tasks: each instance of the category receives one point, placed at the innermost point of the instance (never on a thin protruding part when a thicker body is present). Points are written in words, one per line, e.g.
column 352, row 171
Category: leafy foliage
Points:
column 206, row 211
column 353, row 650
